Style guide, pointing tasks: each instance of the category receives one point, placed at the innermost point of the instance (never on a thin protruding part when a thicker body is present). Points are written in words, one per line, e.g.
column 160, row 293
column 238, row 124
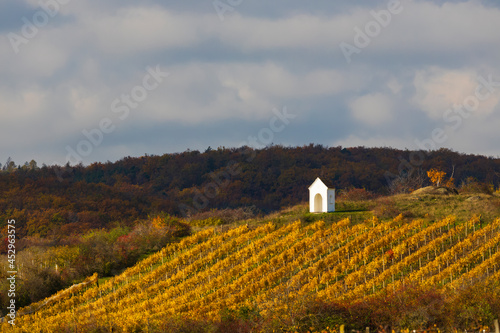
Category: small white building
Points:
column 321, row 197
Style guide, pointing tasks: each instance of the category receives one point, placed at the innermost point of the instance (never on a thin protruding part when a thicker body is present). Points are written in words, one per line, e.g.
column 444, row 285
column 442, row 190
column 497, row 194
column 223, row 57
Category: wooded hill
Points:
column 67, row 199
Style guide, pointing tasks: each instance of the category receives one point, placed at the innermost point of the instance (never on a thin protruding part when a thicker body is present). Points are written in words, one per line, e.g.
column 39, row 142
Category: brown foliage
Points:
column 46, row 199
column 472, row 185
column 356, row 194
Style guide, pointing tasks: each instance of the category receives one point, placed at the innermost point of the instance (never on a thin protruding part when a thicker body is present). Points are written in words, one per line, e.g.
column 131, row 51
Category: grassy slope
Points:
column 427, row 207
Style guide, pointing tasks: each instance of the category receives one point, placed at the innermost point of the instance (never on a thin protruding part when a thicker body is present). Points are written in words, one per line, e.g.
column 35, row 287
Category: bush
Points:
column 308, row 217
column 352, row 206
column 472, row 185
column 211, row 221
column 50, row 265
column 355, row 194
column 171, row 225
column 386, row 209
column 223, row 216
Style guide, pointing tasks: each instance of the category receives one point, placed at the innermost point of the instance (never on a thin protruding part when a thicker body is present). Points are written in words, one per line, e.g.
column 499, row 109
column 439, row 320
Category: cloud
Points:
column 438, row 89
column 201, row 92
column 372, row 109
column 263, row 55
column 298, row 31
column 141, row 29
column 394, row 86
column 39, row 59
column 456, row 30
column 20, row 107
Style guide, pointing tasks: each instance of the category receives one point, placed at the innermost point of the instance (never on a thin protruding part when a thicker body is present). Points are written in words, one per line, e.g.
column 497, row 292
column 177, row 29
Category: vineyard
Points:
column 274, row 270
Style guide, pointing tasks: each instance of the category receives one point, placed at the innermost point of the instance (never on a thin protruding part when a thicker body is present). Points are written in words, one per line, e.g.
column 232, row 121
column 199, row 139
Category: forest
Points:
column 66, row 200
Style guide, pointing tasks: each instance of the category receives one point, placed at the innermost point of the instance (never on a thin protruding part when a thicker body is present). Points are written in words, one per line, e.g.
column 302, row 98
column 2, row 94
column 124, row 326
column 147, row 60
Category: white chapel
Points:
column 321, row 197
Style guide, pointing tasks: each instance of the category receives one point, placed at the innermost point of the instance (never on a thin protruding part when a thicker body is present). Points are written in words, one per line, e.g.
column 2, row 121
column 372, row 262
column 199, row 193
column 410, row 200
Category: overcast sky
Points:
column 100, row 80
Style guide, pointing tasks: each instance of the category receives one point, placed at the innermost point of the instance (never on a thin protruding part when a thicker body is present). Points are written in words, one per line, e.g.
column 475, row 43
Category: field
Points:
column 315, row 273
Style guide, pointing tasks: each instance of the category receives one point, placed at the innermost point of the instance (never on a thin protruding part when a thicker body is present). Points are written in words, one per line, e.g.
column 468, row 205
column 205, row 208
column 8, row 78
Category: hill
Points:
column 390, row 273
column 64, row 200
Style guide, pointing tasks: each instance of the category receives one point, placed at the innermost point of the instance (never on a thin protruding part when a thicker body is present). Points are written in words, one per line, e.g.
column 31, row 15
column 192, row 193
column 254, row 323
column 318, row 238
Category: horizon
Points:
column 202, row 151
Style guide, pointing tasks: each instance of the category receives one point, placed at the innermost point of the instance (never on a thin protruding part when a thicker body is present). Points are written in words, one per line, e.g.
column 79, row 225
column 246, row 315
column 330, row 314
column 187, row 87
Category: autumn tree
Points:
column 436, row 176
column 9, row 166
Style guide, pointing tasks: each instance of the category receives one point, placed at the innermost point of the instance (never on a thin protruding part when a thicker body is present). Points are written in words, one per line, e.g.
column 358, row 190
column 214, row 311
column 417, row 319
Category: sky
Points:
column 95, row 81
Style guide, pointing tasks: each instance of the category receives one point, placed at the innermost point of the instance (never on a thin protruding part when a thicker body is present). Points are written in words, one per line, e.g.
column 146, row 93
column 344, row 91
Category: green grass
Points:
column 103, row 280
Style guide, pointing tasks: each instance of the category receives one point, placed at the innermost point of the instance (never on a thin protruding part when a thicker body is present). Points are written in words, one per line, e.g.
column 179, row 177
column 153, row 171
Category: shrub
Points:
column 472, row 185
column 386, row 209
column 211, row 221
column 355, row 194
column 223, row 216
column 171, row 225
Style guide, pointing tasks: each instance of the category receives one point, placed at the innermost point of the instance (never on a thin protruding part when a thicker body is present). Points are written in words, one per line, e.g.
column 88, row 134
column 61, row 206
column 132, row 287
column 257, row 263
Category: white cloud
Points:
column 298, row 31
column 86, row 105
column 38, row 59
column 439, row 89
column 372, row 109
column 140, row 29
column 26, row 119
column 23, row 106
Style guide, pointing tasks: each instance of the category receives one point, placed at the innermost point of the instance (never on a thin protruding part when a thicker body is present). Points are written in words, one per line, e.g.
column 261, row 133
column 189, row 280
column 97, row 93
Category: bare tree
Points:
column 407, row 182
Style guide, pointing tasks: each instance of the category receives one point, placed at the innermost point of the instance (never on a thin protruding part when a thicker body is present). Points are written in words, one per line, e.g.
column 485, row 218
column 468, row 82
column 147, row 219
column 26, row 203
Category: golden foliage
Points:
column 275, row 269
column 436, row 176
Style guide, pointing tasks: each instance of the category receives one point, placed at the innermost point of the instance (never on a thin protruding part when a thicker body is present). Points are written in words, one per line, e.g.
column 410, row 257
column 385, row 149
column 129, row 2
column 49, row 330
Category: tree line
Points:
column 63, row 200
